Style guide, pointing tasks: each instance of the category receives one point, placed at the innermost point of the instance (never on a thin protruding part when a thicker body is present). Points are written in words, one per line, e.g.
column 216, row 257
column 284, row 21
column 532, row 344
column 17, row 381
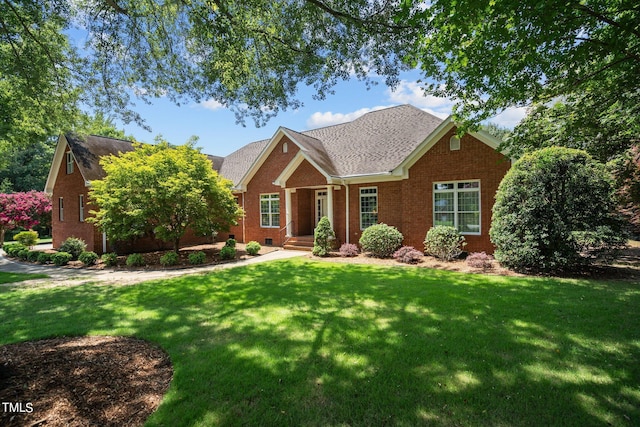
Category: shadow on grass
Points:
column 310, row 343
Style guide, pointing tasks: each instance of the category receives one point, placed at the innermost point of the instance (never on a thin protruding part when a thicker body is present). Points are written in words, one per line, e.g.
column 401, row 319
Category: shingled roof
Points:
column 374, row 143
column 88, row 150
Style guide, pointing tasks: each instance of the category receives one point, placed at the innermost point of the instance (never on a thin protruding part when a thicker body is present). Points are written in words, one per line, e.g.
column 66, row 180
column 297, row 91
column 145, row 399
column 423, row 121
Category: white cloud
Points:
column 329, row 118
column 211, row 104
column 411, row 93
column 509, row 117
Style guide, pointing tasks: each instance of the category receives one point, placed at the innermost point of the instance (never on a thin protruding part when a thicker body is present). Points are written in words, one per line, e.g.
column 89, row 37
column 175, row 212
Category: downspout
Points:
column 346, row 186
column 244, row 219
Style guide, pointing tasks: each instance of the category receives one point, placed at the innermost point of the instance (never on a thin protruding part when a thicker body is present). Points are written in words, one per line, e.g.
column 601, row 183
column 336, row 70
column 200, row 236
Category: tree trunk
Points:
column 2, row 231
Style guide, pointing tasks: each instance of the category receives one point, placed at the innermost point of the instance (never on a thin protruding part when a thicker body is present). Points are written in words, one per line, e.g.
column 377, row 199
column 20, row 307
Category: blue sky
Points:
column 220, row 135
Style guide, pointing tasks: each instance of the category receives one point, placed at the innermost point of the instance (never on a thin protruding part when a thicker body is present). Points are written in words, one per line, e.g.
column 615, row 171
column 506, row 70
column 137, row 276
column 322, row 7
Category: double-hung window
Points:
column 457, row 204
column 81, row 207
column 270, row 210
column 69, row 162
column 368, row 207
column 61, row 209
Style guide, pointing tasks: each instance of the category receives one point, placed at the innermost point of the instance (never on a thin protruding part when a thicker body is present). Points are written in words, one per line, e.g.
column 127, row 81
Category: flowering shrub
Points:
column 200, row 257
column 381, row 240
column 135, row 260
column 61, row 258
column 27, row 238
column 88, row 257
column 349, row 250
column 408, row 255
column 253, row 247
column 480, row 260
column 23, row 210
column 74, row 246
column 170, row 258
column 444, row 242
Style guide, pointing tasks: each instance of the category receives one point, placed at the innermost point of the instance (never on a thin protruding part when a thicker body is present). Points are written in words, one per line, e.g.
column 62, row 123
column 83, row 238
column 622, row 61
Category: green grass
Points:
column 19, row 277
column 309, row 343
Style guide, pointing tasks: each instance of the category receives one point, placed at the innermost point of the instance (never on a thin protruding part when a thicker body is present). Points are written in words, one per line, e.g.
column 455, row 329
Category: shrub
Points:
column 231, row 243
column 408, row 255
column 381, row 240
column 88, row 257
column 227, row 252
column 444, row 242
column 554, row 211
column 349, row 250
column 74, row 246
column 32, row 256
column 12, row 250
column 110, row 259
column 61, row 258
column 170, row 258
column 323, row 237
column 480, row 260
column 44, row 257
column 253, row 248
column 135, row 260
column 27, row 238
column 23, row 253
column 199, row 257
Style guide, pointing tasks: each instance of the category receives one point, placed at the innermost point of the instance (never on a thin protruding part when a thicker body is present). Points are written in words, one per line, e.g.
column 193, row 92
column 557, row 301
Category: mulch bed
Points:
column 82, row 381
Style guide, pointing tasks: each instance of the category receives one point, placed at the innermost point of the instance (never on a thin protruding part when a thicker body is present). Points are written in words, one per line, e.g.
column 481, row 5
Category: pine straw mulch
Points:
column 82, row 381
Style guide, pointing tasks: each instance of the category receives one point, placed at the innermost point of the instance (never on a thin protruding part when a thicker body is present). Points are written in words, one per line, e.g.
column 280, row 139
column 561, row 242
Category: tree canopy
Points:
column 26, row 209
column 161, row 190
column 252, row 56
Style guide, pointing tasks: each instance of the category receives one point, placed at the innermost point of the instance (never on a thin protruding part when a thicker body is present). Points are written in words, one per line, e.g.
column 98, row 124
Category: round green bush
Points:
column 12, row 250
column 253, row 248
column 32, row 256
column 170, row 258
column 135, row 260
column 74, row 246
column 196, row 258
column 61, row 258
column 110, row 259
column 444, row 242
column 380, row 240
column 27, row 238
column 23, row 253
column 227, row 252
column 231, row 243
column 44, row 258
column 554, row 211
column 88, row 257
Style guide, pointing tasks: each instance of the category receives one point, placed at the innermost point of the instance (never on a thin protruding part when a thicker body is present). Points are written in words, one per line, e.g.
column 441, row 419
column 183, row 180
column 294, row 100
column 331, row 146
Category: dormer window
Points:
column 454, row 143
column 69, row 162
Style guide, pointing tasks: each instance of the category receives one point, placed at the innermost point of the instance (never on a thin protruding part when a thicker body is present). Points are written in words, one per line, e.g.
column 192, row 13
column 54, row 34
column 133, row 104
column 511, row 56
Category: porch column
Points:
column 287, row 209
column 330, row 204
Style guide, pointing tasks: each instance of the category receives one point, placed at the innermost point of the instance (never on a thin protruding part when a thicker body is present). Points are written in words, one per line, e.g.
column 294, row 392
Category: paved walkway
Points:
column 75, row 276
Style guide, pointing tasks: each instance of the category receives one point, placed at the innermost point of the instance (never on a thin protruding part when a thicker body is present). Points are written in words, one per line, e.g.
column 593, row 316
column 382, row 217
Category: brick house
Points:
column 401, row 166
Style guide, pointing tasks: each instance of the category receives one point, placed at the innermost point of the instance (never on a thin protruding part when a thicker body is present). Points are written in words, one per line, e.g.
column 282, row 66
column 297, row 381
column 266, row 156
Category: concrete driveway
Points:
column 61, row 276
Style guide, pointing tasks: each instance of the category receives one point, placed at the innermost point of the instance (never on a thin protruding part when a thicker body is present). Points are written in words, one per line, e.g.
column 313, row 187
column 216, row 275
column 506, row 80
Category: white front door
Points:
column 321, row 205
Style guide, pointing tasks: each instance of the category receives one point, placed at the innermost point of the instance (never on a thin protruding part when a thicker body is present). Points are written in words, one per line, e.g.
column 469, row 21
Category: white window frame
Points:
column 81, row 207
column 456, row 212
column 61, row 209
column 69, row 162
column 270, row 198
column 375, row 211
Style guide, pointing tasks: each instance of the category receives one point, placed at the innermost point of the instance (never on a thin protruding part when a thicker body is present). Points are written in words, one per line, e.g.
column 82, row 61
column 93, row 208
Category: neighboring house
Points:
column 401, row 166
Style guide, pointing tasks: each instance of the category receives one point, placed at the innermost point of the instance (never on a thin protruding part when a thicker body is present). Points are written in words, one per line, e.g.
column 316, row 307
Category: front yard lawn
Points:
column 19, row 277
column 301, row 342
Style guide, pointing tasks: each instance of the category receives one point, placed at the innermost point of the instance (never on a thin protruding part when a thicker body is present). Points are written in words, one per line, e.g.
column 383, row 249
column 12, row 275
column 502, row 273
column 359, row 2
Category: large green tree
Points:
column 162, row 190
column 252, row 55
